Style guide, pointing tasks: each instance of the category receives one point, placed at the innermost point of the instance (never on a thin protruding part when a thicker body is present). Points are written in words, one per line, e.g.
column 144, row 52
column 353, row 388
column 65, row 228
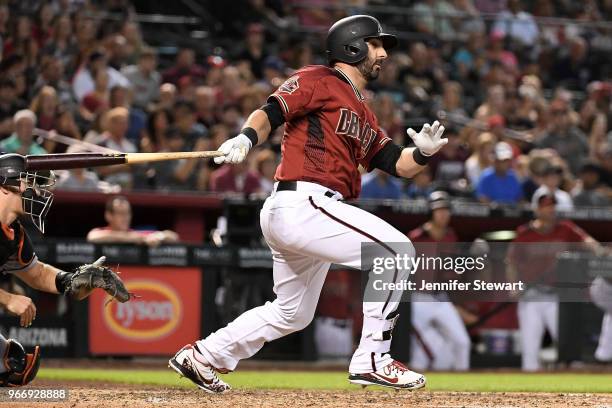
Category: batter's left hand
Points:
column 235, row 149
column 429, row 140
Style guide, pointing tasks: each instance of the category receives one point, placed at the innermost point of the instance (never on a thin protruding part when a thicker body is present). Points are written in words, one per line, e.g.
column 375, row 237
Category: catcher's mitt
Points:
column 88, row 277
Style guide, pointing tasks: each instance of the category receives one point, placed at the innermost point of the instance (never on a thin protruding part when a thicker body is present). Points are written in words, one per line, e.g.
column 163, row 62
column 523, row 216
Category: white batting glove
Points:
column 429, row 139
column 235, row 149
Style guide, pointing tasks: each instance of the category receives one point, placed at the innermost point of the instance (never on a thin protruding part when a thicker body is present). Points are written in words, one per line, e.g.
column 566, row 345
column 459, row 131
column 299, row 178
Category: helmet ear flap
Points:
column 356, row 50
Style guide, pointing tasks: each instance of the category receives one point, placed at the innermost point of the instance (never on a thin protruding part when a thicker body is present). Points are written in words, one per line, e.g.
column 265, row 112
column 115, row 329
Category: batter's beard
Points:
column 367, row 69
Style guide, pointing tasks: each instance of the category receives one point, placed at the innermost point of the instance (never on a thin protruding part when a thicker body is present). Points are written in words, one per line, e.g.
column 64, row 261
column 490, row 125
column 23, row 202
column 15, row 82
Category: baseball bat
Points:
column 63, row 161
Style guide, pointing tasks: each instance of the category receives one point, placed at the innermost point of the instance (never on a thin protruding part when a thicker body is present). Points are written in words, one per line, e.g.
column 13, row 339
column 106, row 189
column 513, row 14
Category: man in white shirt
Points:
column 83, row 82
column 517, row 24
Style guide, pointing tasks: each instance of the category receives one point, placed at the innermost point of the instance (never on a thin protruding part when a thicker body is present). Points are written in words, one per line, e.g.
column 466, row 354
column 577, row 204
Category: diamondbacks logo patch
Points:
column 290, row 85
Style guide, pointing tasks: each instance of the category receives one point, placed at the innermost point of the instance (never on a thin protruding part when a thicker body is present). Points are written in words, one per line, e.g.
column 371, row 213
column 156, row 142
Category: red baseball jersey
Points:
column 329, row 130
column 535, row 254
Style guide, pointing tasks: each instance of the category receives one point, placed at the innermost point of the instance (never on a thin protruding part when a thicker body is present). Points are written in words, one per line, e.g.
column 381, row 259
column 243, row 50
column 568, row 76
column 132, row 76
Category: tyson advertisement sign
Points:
column 164, row 316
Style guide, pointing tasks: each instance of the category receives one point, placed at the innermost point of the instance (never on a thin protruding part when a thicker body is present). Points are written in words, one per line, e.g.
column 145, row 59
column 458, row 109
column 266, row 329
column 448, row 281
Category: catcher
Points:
column 24, row 193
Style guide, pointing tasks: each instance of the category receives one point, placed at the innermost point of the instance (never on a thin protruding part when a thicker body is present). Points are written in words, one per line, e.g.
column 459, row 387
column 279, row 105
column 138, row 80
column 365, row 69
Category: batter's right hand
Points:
column 23, row 307
column 235, row 149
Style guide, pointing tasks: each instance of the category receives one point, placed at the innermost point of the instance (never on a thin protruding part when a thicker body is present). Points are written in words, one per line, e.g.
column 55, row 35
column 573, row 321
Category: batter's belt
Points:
column 293, row 186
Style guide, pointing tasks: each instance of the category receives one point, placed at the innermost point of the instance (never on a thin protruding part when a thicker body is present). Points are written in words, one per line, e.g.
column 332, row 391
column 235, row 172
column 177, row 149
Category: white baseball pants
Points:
column 440, row 340
column 307, row 231
column 536, row 312
column 601, row 294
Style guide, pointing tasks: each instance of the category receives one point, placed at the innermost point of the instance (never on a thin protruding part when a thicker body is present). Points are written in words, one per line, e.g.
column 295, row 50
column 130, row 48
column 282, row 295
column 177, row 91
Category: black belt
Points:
column 292, row 186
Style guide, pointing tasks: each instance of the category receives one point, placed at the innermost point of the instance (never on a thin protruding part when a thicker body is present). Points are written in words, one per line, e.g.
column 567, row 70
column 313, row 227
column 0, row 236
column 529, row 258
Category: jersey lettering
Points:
column 349, row 124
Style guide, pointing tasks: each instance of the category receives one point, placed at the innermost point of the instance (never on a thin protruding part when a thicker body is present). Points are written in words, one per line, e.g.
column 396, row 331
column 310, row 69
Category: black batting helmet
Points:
column 346, row 39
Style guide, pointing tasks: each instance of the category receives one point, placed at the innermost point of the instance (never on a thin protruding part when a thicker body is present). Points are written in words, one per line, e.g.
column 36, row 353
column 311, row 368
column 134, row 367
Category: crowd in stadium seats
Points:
column 526, row 102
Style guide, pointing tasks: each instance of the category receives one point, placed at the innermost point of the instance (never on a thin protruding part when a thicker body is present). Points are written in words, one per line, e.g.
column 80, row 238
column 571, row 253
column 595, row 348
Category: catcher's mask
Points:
column 37, row 195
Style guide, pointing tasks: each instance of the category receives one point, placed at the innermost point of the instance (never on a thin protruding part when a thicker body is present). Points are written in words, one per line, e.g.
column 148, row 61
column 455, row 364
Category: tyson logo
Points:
column 155, row 314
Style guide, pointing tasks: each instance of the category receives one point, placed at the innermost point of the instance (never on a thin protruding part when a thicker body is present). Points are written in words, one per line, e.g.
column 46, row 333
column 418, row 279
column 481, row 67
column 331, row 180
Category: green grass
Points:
column 480, row 382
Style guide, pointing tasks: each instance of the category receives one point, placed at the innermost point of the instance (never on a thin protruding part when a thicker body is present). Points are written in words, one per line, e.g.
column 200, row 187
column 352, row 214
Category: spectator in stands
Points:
column 121, row 96
column 380, row 186
column 21, row 41
column 65, row 125
column 482, row 157
column 422, row 78
column 234, row 179
column 232, row 117
column 565, row 137
column 144, row 79
column 115, row 123
column 265, row 165
column 116, row 51
column 573, row 70
column 273, row 71
column 451, row 100
column 185, row 66
column 389, row 116
column 469, row 18
column 52, row 74
column 591, row 192
column 435, row 18
column 517, row 24
column 78, row 180
column 254, row 52
column 538, row 164
column 233, row 85
column 499, row 184
column 207, row 109
column 154, row 135
column 135, row 45
column 62, row 44
column 449, row 165
column 167, row 96
column 214, row 75
column 190, row 129
column 9, row 105
column 500, row 58
column 97, row 101
column 118, row 215
column 469, row 62
column 594, row 113
column 552, row 176
column 22, row 140
column 422, row 185
column 42, row 28
column 84, row 82
column 44, row 105
column 493, row 105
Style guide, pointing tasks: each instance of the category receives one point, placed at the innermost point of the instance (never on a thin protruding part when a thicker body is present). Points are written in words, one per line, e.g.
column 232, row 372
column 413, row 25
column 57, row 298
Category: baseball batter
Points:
column 329, row 132
column 29, row 193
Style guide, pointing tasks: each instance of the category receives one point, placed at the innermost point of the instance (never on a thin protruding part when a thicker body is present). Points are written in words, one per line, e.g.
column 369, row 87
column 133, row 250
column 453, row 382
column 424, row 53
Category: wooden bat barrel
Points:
column 64, row 161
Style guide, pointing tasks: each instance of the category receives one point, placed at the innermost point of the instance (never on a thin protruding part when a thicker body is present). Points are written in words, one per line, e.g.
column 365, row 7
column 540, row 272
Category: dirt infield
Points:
column 114, row 396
